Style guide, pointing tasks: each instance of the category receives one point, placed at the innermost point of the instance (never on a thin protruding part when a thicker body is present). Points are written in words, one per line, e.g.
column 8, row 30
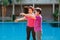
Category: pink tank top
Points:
column 30, row 22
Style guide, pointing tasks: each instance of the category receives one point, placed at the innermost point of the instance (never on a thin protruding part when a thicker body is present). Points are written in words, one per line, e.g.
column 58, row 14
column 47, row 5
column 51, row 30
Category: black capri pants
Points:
column 29, row 30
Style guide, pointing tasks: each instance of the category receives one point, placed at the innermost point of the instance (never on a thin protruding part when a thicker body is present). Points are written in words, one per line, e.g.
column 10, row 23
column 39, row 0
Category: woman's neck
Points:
column 30, row 13
column 38, row 14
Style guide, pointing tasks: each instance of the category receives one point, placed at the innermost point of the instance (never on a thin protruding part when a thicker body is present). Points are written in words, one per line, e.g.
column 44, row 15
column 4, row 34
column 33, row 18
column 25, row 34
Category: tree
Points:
column 10, row 1
column 20, row 3
column 13, row 14
column 59, row 14
column 4, row 5
column 59, row 6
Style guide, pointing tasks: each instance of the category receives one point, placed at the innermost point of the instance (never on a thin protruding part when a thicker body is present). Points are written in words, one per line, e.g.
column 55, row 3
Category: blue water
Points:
column 17, row 31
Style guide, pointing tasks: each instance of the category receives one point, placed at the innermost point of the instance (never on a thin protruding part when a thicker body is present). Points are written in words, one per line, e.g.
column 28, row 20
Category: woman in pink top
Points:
column 30, row 22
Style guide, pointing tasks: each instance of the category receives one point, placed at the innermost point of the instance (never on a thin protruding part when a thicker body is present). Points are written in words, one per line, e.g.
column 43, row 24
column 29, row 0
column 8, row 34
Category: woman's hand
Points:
column 23, row 14
column 16, row 20
column 20, row 19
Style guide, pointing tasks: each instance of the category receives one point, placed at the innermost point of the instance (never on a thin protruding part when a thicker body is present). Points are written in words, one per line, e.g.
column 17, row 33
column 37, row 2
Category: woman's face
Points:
column 36, row 13
column 30, row 11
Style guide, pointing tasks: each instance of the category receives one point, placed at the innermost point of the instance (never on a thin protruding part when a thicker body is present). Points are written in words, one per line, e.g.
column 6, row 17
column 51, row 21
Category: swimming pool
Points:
column 17, row 31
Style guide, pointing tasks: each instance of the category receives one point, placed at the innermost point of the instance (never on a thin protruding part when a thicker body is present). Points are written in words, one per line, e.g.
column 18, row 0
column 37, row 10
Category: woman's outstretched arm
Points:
column 20, row 19
column 28, row 15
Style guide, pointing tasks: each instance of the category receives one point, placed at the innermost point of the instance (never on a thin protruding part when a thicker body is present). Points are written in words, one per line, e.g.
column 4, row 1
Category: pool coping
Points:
column 25, row 22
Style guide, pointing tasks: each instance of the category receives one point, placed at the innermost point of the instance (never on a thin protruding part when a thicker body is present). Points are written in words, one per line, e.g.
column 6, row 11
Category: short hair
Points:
column 38, row 10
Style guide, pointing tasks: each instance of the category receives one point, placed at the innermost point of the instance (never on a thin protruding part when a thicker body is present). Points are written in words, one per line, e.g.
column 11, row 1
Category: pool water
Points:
column 17, row 31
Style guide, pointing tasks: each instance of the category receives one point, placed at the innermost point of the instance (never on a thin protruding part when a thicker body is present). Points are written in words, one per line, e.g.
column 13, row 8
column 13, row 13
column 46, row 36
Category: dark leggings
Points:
column 30, row 29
